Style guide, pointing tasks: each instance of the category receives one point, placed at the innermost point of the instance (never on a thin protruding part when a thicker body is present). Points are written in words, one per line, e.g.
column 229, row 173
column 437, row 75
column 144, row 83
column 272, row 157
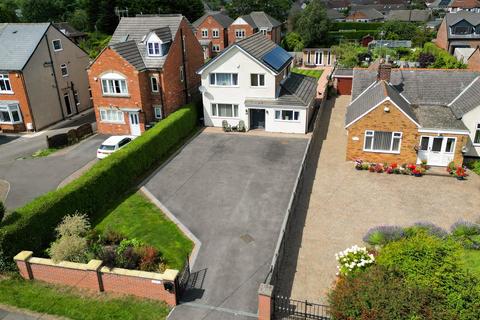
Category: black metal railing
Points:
column 286, row 308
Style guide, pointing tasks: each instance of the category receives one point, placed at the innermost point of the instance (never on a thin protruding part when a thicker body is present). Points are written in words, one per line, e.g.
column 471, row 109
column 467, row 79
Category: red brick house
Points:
column 257, row 21
column 211, row 30
column 146, row 73
column 459, row 30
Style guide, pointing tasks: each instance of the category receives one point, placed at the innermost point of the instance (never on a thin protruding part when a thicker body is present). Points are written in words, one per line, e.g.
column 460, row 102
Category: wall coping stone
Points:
column 62, row 264
column 265, row 290
column 23, row 256
column 168, row 275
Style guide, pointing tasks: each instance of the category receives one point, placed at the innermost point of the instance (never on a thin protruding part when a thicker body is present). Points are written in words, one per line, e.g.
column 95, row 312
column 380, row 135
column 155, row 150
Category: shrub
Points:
column 353, row 259
column 2, row 211
column 381, row 235
column 69, row 248
column 149, row 258
column 108, row 255
column 128, row 243
column 428, row 228
column 112, row 237
column 463, row 228
column 32, row 226
column 73, row 225
column 128, row 258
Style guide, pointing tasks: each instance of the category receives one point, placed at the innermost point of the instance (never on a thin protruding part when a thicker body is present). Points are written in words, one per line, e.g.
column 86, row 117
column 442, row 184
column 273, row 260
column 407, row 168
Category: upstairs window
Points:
column 57, row 45
column 263, row 31
column 204, row 33
column 462, row 30
column 257, row 80
column 64, row 70
column 154, row 83
column 215, row 48
column 477, row 135
column 382, row 141
column 154, row 49
column 114, row 84
column 224, row 79
column 10, row 114
column 215, row 33
column 240, row 33
column 5, row 86
column 182, row 74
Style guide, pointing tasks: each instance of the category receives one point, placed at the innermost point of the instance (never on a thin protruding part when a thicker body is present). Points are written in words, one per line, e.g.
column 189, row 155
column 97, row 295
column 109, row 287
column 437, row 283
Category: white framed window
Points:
column 257, row 80
column 10, row 114
column 57, row 45
column 476, row 139
column 215, row 48
column 264, row 31
column 114, row 84
column 5, row 86
column 154, row 84
column 111, row 115
column 382, row 141
column 225, row 110
column 286, row 115
column 224, row 79
column 64, row 70
column 215, row 33
column 158, row 112
column 240, row 33
column 182, row 75
column 154, row 49
column 204, row 33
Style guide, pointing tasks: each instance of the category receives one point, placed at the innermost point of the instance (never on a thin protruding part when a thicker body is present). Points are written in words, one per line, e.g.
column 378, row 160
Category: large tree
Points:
column 313, row 24
column 278, row 9
column 7, row 11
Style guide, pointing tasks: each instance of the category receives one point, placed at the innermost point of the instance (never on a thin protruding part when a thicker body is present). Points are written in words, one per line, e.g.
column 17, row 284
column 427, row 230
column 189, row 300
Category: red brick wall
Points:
column 474, row 61
column 70, row 277
column 231, row 31
column 20, row 95
column 442, row 36
column 210, row 24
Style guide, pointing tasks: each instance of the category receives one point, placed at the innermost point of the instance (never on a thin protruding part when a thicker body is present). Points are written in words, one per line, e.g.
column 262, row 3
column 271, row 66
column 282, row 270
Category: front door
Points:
column 257, row 119
column 68, row 106
column 437, row 151
column 134, row 123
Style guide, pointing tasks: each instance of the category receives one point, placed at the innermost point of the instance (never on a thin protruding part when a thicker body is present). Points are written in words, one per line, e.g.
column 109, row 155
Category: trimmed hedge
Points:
column 353, row 35
column 356, row 26
column 32, row 226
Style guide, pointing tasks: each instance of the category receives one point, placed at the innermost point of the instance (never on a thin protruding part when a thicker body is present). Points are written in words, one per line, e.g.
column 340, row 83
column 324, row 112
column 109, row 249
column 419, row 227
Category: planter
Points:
column 460, row 178
column 418, row 174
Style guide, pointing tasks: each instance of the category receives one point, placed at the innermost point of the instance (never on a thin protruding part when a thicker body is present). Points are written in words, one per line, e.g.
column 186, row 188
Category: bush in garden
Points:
column 149, row 258
column 2, row 211
column 128, row 259
column 108, row 255
column 463, row 228
column 381, row 235
column 69, row 248
column 353, row 259
column 427, row 227
column 378, row 294
column 73, row 225
column 112, row 237
column 128, row 243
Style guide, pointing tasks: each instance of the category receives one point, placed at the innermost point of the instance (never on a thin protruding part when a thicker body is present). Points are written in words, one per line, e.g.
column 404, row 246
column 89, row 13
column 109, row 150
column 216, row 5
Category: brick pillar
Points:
column 265, row 302
column 23, row 265
column 94, row 267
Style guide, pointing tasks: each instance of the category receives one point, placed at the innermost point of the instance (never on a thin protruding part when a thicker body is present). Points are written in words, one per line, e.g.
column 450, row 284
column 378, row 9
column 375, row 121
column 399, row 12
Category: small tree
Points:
column 2, row 211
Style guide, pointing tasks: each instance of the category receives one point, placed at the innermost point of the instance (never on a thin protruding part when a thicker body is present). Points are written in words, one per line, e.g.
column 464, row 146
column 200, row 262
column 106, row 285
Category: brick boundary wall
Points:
column 92, row 276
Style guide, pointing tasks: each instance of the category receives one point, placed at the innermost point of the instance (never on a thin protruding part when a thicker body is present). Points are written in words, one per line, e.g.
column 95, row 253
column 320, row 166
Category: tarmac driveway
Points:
column 231, row 191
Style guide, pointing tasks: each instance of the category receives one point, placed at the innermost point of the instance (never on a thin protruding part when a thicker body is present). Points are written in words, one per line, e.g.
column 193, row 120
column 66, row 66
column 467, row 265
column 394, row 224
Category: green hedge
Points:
column 356, row 35
column 356, row 26
column 32, row 226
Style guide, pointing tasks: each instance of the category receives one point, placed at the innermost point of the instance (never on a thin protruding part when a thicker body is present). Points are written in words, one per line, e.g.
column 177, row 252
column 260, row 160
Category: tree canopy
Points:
column 278, row 9
column 313, row 23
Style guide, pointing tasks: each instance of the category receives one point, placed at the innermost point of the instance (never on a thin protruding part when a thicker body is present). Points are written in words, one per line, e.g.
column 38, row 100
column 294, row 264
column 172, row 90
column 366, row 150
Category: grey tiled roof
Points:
column 69, row 30
column 453, row 18
column 136, row 28
column 370, row 13
column 468, row 100
column 259, row 19
column 18, row 42
column 419, row 86
column 129, row 51
column 334, row 14
column 297, row 90
column 408, row 15
column 438, row 117
column 375, row 94
column 163, row 34
column 220, row 17
column 345, row 72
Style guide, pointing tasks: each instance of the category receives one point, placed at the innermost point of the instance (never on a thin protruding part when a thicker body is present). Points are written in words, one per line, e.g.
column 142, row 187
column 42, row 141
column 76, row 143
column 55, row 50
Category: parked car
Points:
column 113, row 144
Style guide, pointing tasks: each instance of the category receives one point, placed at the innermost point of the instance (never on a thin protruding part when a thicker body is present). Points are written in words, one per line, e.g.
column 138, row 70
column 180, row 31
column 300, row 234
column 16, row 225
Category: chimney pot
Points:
column 384, row 72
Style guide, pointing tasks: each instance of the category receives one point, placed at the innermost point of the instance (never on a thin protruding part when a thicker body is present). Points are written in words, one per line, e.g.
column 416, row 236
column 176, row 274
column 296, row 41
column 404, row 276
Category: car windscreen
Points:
column 107, row 147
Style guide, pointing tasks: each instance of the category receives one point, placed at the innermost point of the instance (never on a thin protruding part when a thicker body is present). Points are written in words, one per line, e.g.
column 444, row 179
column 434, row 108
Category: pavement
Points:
column 231, row 192
column 11, row 313
column 340, row 204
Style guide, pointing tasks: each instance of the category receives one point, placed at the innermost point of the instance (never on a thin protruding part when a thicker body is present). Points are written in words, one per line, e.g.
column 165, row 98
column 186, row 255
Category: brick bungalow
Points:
column 146, row 73
column 257, row 21
column 211, row 30
column 406, row 116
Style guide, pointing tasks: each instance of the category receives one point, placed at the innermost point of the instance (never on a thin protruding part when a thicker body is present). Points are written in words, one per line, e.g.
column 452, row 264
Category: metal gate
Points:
column 285, row 308
column 183, row 278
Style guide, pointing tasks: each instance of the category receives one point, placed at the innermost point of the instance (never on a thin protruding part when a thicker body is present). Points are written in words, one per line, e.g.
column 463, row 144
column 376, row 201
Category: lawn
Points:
column 136, row 217
column 311, row 73
column 74, row 304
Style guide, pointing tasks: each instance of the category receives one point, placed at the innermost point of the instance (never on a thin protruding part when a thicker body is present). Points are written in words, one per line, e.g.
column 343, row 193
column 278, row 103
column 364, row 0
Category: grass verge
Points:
column 75, row 304
column 136, row 217
column 311, row 73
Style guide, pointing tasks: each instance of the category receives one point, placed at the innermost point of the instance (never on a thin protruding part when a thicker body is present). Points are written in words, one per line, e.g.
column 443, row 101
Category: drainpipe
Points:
column 28, row 101
column 185, row 85
column 55, row 76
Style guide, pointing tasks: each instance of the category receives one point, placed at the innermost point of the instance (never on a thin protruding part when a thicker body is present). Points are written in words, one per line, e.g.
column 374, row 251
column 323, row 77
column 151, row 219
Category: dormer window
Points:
column 158, row 42
column 154, row 49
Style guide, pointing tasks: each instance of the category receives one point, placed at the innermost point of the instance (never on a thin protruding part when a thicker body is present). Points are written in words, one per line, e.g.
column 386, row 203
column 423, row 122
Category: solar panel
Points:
column 277, row 58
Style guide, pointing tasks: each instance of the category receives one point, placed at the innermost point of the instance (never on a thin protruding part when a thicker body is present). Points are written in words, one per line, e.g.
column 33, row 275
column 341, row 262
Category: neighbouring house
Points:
column 409, row 15
column 459, row 30
column 147, row 71
column 43, row 77
column 365, row 15
column 250, row 83
column 410, row 115
column 384, row 8
column 338, row 5
column 335, row 15
column 257, row 21
column 464, row 5
column 469, row 56
column 318, row 57
column 342, row 80
column 438, row 5
column 211, row 30
column 71, row 33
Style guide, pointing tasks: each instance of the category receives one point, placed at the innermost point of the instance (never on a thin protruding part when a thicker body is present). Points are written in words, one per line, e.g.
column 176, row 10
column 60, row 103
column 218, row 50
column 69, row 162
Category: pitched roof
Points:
column 297, row 90
column 259, row 19
column 468, row 100
column 128, row 50
column 137, row 28
column 368, row 13
column 343, row 72
column 471, row 17
column 68, row 30
column 419, row 86
column 14, row 54
column 334, row 14
column 465, row 4
column 438, row 117
column 219, row 16
column 372, row 96
column 408, row 15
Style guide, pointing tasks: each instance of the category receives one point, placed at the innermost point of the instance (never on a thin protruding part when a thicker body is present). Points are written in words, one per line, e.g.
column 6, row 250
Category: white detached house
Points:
column 251, row 81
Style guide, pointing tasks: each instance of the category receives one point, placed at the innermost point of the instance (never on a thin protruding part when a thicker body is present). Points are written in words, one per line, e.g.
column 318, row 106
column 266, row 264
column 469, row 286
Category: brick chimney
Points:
column 384, row 71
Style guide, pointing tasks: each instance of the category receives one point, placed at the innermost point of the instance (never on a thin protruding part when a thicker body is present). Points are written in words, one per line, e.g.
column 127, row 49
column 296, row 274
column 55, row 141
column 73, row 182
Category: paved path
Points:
column 11, row 313
column 341, row 204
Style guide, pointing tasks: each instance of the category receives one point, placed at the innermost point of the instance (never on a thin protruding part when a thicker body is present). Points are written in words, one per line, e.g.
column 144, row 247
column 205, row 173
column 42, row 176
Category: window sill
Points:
column 7, row 92
column 258, row 87
column 11, row 123
column 378, row 151
column 289, row 121
column 116, row 95
column 226, row 117
column 217, row 86
column 111, row 122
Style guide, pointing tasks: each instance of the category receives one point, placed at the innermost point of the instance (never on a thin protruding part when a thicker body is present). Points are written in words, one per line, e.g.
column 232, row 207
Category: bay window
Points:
column 111, row 115
column 476, row 140
column 224, row 79
column 286, row 115
column 382, row 141
column 10, row 114
column 5, row 86
column 224, row 110
column 114, row 84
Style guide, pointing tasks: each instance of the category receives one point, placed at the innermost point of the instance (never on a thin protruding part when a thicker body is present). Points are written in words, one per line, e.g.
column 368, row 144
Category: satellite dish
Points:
column 202, row 89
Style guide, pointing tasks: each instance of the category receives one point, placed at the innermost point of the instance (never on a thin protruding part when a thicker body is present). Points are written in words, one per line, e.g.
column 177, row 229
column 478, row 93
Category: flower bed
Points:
column 393, row 168
column 459, row 172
